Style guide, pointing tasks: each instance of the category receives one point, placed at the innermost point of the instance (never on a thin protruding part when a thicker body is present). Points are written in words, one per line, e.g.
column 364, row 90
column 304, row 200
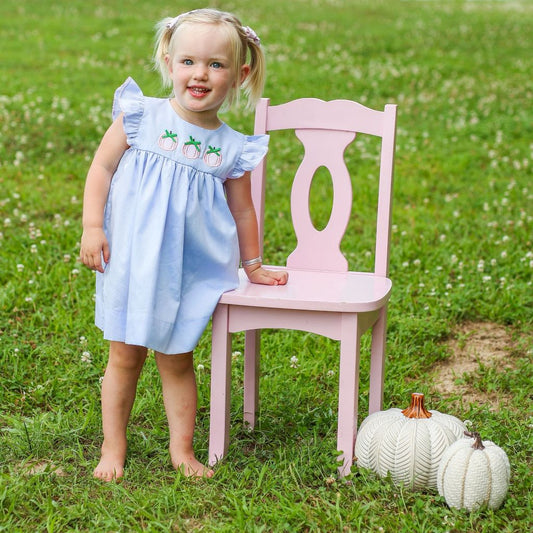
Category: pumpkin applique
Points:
column 168, row 140
column 473, row 473
column 407, row 444
column 213, row 157
column 192, row 148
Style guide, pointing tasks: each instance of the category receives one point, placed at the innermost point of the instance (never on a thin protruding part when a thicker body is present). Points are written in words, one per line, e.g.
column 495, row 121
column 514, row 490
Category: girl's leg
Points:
column 118, row 393
column 179, row 396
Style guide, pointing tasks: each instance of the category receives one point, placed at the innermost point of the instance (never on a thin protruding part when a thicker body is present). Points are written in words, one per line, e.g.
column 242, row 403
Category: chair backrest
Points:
column 326, row 129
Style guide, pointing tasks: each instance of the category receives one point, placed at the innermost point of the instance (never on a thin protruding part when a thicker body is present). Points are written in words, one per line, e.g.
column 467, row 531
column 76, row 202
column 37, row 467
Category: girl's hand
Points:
column 267, row 277
column 94, row 246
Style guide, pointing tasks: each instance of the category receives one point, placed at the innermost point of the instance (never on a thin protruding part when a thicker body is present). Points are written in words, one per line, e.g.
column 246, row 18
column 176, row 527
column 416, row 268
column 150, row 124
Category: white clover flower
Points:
column 294, row 362
column 20, row 267
column 86, row 357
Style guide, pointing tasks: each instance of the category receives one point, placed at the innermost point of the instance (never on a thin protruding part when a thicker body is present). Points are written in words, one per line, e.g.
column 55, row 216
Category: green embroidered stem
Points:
column 213, row 150
column 170, row 135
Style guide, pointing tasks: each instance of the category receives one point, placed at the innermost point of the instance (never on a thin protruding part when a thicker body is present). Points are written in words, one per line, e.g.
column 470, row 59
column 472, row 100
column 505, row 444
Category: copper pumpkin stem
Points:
column 478, row 443
column 416, row 409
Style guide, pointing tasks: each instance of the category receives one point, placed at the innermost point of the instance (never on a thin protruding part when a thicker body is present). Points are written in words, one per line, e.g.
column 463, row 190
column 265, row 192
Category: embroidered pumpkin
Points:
column 407, row 444
column 191, row 148
column 213, row 157
column 168, row 140
column 473, row 473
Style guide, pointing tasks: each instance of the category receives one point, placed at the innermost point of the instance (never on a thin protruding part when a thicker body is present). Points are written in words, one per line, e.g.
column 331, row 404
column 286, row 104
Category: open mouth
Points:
column 198, row 91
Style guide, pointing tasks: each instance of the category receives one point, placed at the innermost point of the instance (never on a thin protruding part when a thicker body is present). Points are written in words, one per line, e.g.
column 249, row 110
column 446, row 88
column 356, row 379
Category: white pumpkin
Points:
column 407, row 444
column 473, row 474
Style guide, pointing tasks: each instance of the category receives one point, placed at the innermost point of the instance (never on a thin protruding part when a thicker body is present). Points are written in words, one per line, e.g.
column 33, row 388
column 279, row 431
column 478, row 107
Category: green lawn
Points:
column 462, row 255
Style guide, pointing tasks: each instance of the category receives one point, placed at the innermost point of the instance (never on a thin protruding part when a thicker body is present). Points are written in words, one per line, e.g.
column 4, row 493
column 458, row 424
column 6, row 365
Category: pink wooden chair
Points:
column 321, row 296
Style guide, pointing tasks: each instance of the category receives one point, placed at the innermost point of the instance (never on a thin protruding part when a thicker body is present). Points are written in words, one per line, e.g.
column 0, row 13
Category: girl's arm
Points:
column 239, row 195
column 94, row 243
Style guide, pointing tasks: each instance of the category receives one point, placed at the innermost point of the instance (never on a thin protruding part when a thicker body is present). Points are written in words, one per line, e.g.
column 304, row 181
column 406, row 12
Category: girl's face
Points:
column 202, row 73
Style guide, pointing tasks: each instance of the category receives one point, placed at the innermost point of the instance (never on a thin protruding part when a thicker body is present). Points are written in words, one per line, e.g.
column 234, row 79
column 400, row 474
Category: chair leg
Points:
column 252, row 341
column 220, row 385
column 348, row 391
column 377, row 363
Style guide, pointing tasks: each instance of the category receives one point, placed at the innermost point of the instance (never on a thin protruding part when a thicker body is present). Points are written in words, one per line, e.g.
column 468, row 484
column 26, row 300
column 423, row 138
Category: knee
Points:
column 178, row 363
column 126, row 356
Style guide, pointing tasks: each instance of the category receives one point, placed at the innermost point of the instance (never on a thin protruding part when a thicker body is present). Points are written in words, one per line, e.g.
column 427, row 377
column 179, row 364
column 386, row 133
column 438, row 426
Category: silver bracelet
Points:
column 250, row 262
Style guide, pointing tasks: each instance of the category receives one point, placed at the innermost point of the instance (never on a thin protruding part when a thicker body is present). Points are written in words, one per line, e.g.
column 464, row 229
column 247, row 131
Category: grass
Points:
column 461, row 251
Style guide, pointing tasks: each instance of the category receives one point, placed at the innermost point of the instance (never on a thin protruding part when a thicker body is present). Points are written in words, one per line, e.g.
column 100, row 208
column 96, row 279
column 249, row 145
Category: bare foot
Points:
column 111, row 465
column 189, row 466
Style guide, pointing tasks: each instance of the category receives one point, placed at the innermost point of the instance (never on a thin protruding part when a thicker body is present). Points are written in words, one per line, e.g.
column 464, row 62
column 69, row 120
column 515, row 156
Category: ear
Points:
column 168, row 61
column 245, row 71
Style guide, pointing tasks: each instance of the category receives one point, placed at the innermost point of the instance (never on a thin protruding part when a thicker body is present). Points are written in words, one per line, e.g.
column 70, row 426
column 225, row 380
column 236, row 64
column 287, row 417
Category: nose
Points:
column 200, row 72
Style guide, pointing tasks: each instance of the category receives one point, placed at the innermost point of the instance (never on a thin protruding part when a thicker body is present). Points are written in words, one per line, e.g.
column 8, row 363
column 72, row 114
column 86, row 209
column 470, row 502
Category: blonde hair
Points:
column 243, row 42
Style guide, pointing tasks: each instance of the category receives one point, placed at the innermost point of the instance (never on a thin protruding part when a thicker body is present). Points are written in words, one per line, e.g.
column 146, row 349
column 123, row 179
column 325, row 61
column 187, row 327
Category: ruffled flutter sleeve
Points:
column 254, row 149
column 129, row 100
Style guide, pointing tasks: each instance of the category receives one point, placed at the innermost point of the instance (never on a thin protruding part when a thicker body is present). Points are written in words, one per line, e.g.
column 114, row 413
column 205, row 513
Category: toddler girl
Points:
column 167, row 214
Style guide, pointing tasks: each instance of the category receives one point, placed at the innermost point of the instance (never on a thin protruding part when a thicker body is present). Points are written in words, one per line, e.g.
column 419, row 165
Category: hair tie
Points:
column 174, row 21
column 251, row 35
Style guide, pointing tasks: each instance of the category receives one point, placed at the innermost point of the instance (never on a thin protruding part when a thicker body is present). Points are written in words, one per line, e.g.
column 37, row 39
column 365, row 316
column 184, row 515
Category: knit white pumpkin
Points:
column 407, row 444
column 472, row 474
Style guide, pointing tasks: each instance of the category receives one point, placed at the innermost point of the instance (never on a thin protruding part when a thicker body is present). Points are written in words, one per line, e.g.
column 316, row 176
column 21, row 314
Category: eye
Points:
column 187, row 62
column 217, row 64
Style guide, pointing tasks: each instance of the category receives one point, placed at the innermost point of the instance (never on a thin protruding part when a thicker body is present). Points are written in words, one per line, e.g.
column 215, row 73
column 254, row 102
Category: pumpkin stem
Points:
column 416, row 409
column 478, row 444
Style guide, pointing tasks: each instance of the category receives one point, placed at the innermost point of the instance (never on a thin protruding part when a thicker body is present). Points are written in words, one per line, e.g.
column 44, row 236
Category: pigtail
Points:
column 164, row 31
column 253, row 85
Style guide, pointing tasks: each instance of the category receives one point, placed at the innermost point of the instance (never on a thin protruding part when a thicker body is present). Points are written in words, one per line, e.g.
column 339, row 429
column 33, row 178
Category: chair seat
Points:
column 346, row 292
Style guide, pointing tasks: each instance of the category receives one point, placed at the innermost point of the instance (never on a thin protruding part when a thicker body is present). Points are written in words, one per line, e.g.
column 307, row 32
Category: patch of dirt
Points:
column 472, row 346
column 32, row 468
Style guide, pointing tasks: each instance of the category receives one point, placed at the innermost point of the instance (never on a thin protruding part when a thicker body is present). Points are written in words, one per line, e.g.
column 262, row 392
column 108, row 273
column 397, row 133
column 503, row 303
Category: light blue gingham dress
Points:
column 173, row 240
